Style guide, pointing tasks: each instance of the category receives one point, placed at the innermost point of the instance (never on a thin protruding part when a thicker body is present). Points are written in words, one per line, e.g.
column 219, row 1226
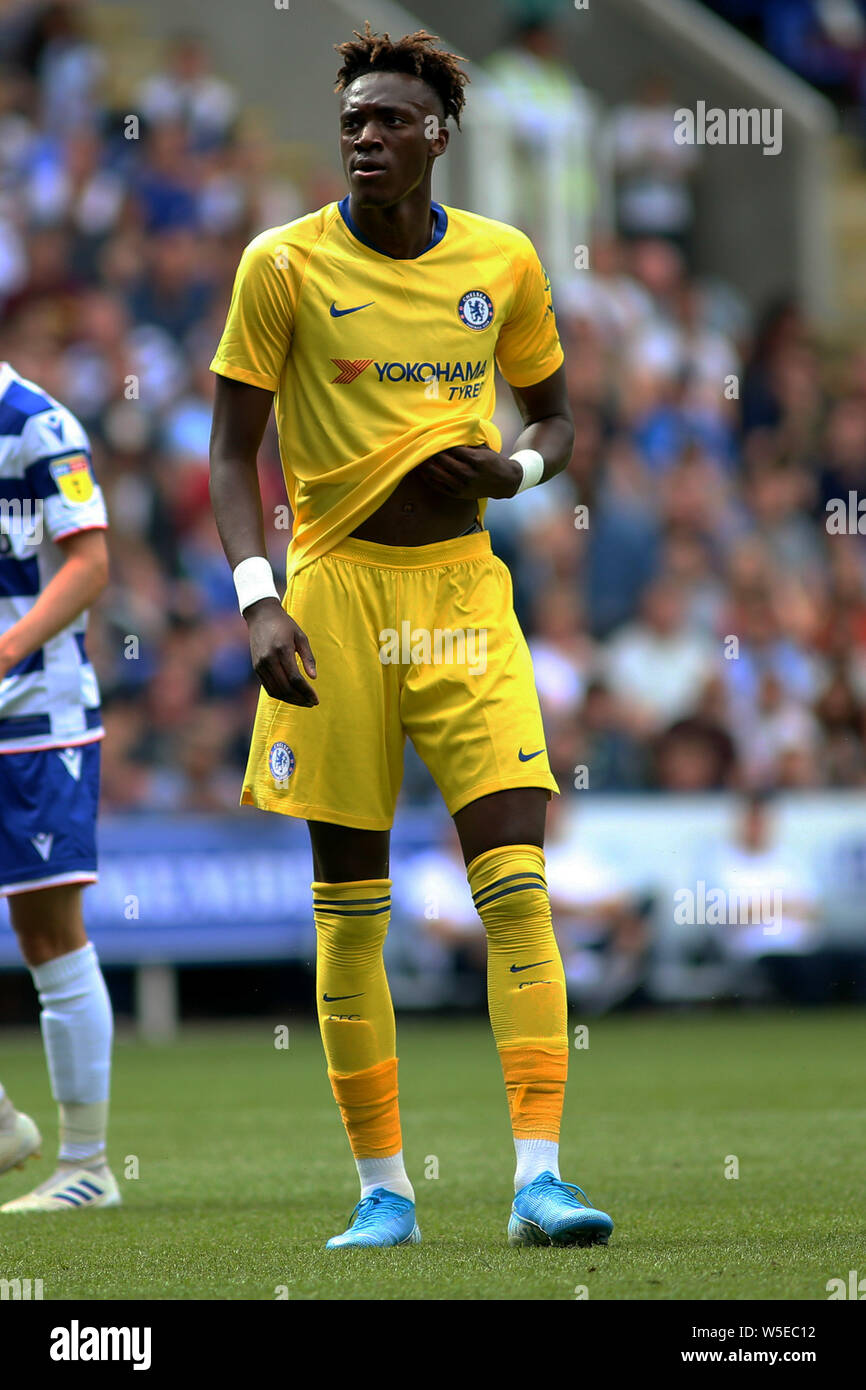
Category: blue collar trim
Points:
column 440, row 224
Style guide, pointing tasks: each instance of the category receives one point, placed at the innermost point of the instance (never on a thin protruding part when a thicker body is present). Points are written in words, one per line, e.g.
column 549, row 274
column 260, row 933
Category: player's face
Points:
column 387, row 137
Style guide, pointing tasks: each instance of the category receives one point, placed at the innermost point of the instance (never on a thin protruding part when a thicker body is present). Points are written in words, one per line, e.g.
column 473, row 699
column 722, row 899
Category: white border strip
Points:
column 9, row 890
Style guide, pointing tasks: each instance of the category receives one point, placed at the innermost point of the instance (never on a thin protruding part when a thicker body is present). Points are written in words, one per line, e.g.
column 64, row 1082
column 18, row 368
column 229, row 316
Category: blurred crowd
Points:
column 694, row 622
column 823, row 41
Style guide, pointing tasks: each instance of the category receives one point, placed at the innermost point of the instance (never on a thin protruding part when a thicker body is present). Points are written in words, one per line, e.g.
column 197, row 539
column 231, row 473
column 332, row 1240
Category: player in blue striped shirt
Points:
column 53, row 564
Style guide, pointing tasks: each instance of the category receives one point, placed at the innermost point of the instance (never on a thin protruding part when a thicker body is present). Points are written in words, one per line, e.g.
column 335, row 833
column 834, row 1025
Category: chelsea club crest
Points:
column 475, row 309
column 281, row 761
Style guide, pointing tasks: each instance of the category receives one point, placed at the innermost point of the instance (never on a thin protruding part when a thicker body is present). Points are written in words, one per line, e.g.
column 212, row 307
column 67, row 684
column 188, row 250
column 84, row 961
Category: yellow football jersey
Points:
column 376, row 363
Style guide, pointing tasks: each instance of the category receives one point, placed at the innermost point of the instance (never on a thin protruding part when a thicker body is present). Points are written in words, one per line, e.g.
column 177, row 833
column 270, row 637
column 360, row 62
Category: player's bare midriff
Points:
column 417, row 514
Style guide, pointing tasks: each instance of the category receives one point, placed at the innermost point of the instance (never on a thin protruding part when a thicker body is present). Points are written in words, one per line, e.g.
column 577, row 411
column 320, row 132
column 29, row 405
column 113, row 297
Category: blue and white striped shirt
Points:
column 47, row 491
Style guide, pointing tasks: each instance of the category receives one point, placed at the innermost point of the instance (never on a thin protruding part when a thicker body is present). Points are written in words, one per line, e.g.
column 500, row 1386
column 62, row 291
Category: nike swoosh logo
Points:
column 332, row 998
column 527, row 757
column 516, row 968
column 338, row 314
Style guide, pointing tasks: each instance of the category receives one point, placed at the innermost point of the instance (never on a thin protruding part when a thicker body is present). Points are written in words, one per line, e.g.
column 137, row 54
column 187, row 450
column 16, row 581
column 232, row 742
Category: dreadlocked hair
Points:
column 414, row 54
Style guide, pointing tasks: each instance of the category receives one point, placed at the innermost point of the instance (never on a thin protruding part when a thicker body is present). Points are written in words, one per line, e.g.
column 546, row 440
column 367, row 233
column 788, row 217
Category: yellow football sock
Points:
column 356, row 1016
column 525, row 985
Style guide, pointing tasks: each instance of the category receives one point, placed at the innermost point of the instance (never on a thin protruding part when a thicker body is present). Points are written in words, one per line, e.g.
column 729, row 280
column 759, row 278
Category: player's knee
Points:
column 346, row 943
column 48, row 923
column 40, row 945
column 514, row 919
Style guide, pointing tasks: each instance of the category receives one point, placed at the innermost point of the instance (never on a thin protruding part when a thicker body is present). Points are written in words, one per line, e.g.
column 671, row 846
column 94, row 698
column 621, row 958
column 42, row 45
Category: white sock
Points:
column 7, row 1111
column 2, row 1093
column 534, row 1157
column 82, row 1133
column 385, row 1172
column 77, row 1030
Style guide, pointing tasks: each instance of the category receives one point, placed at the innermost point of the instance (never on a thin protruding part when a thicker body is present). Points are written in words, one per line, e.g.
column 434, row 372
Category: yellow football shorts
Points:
column 419, row 641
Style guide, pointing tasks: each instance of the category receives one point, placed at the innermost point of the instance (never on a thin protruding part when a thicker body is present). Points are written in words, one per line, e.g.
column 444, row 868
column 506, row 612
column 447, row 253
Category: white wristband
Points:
column 532, row 463
column 254, row 579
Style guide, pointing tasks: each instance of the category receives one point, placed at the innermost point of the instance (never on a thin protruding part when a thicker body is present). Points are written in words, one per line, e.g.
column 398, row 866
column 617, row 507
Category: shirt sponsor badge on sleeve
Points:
column 73, row 477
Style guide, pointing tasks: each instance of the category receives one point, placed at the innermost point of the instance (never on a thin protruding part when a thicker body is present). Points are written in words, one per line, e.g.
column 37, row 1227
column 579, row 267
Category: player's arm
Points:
column 548, row 430
column 548, row 427
column 79, row 581
column 529, row 355
column 276, row 642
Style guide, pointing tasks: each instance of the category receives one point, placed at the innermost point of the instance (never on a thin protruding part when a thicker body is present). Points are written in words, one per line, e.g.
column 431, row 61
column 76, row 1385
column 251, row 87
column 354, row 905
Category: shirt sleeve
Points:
column 59, row 471
column 258, row 331
column 528, row 348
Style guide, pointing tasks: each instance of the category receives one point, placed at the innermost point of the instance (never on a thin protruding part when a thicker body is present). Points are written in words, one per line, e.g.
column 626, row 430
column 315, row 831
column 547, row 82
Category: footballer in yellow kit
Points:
column 365, row 391
column 374, row 325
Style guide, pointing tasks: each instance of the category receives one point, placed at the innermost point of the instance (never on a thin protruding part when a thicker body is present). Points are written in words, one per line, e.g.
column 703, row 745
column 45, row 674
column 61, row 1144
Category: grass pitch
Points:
column 243, row 1169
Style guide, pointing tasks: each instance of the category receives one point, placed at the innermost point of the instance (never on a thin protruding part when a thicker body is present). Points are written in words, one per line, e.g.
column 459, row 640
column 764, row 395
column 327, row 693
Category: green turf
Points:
column 244, row 1171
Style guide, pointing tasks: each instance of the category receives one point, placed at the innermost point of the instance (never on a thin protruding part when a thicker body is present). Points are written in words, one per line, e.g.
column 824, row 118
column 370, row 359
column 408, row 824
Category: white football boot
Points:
column 71, row 1188
column 19, row 1137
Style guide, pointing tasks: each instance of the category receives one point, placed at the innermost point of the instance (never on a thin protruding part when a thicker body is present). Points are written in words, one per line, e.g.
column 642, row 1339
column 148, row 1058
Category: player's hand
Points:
column 468, row 471
column 276, row 643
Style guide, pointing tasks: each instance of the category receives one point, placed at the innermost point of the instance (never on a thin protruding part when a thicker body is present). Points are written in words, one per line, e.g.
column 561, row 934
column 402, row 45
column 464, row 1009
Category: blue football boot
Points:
column 383, row 1218
column 550, row 1212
